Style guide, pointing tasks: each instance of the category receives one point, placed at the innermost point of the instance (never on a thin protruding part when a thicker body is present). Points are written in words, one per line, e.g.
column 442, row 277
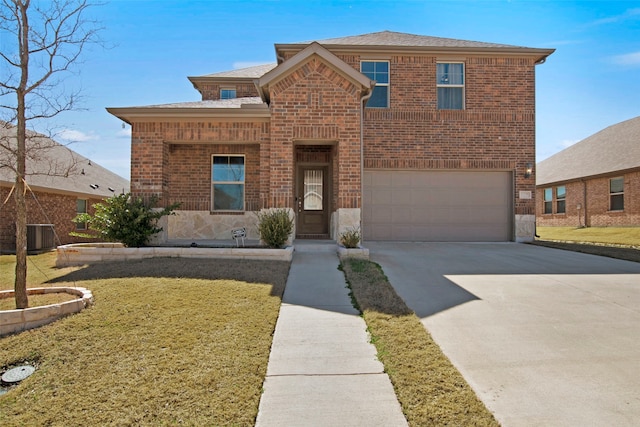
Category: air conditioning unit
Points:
column 40, row 237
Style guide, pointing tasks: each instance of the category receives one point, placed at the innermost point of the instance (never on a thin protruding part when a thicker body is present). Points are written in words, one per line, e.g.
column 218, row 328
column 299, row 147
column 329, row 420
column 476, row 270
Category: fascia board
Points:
column 144, row 113
column 538, row 53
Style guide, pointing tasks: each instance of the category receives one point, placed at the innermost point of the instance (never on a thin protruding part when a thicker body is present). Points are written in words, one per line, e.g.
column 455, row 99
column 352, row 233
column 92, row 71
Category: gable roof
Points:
column 251, row 73
column 313, row 49
column 81, row 173
column 390, row 40
column 613, row 149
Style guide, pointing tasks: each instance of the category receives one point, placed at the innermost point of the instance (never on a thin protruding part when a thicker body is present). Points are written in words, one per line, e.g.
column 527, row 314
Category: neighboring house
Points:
column 61, row 184
column 408, row 137
column 593, row 183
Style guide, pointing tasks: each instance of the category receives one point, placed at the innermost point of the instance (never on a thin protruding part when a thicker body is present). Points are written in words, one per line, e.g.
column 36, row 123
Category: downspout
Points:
column 363, row 100
column 584, row 200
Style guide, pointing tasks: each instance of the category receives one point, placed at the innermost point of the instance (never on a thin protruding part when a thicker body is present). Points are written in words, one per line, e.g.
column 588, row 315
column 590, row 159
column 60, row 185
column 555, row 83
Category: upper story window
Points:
column 450, row 84
column 227, row 93
column 378, row 71
column 227, row 183
column 548, row 200
column 81, row 207
column 616, row 194
column 561, row 195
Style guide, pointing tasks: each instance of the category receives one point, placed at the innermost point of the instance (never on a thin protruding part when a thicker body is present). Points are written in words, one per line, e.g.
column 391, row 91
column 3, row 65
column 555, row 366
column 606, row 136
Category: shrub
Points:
column 274, row 227
column 124, row 219
column 350, row 238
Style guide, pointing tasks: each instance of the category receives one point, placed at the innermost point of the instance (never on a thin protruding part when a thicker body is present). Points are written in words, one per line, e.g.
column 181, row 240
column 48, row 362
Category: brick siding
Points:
column 45, row 208
column 317, row 105
column 597, row 205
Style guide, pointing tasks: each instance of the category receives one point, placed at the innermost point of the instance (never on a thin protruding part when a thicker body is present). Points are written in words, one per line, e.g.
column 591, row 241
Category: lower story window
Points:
column 548, row 200
column 81, row 207
column 616, row 194
column 227, row 182
column 561, row 195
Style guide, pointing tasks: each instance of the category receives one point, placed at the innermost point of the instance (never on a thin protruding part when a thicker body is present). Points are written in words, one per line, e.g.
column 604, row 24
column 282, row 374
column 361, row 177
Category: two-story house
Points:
column 408, row 137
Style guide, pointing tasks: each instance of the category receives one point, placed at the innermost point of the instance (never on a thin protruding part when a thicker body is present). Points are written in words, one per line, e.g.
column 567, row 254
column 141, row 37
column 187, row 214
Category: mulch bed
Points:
column 627, row 254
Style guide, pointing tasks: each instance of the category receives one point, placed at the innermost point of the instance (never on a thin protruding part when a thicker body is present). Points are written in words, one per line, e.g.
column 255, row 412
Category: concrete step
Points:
column 304, row 245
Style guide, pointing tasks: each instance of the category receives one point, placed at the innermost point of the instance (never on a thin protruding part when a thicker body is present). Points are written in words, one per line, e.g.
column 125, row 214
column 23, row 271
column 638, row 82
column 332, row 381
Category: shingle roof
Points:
column 615, row 148
column 245, row 73
column 55, row 156
column 391, row 38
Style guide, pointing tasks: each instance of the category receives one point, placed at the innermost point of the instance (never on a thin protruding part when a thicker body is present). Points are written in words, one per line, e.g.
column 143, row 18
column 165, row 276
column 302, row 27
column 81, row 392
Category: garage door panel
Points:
column 437, row 206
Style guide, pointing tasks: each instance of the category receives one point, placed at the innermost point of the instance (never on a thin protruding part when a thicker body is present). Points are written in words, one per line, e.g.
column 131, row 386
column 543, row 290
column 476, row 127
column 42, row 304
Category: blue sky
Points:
column 590, row 82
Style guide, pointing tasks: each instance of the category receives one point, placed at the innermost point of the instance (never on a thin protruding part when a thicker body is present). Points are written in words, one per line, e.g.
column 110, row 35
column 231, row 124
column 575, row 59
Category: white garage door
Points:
column 437, row 206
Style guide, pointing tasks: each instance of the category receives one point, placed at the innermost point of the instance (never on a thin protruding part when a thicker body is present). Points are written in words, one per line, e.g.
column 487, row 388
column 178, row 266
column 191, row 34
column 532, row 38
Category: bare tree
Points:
column 49, row 37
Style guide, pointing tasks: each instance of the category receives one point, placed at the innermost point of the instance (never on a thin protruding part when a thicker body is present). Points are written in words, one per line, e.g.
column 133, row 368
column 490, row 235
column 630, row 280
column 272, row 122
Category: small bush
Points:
column 124, row 219
column 274, row 227
column 350, row 238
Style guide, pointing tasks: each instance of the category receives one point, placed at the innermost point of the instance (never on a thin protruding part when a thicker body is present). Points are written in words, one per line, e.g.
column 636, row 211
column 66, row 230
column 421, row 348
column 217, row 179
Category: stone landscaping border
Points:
column 12, row 321
column 87, row 253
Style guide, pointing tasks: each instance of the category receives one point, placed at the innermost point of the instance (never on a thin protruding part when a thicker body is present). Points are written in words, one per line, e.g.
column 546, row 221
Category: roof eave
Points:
column 539, row 53
column 130, row 114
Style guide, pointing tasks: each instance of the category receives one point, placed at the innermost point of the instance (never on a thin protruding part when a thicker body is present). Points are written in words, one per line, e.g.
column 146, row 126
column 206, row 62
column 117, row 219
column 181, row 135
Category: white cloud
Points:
column 124, row 133
column 72, row 135
column 628, row 14
column 632, row 58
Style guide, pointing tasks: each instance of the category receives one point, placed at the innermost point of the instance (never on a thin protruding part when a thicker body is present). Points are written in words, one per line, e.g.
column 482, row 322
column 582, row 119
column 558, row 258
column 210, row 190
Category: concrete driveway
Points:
column 545, row 337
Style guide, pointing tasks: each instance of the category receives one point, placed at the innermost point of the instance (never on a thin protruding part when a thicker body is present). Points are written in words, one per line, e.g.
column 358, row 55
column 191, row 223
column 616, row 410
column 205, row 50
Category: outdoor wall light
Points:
column 528, row 171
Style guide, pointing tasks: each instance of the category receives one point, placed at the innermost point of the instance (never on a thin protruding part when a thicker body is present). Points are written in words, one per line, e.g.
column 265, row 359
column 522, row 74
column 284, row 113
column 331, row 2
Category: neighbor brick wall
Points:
column 45, row 208
column 597, row 195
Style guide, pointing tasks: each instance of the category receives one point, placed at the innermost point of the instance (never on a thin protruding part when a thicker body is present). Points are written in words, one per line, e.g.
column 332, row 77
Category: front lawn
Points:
column 626, row 236
column 168, row 341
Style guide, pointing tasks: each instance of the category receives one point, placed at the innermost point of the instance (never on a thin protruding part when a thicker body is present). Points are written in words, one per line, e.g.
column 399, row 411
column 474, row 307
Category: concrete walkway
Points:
column 322, row 369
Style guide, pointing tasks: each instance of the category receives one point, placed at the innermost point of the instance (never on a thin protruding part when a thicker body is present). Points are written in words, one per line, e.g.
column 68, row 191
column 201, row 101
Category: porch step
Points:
column 305, row 245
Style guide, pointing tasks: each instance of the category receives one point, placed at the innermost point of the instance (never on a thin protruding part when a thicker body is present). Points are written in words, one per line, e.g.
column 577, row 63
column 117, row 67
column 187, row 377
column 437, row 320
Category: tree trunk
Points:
column 20, row 287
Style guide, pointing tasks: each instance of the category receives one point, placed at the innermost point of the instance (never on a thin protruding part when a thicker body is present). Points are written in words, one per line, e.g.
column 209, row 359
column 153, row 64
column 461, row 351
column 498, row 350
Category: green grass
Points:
column 431, row 391
column 167, row 342
column 625, row 236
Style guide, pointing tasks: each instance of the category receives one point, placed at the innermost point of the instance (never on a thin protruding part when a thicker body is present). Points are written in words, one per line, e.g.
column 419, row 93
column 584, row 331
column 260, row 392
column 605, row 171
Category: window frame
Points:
column 80, row 226
column 387, row 84
column 228, row 89
column 462, row 86
column 243, row 182
column 617, row 194
column 561, row 202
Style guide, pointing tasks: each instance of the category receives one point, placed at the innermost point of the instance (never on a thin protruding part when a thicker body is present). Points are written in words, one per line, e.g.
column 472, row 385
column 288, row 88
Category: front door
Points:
column 312, row 203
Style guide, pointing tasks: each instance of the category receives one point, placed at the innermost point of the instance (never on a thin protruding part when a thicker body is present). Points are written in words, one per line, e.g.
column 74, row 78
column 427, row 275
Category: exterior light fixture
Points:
column 529, row 170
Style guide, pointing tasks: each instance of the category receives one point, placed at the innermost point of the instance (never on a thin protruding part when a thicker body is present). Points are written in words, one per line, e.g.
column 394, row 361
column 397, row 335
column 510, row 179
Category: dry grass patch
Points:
column 429, row 388
column 167, row 342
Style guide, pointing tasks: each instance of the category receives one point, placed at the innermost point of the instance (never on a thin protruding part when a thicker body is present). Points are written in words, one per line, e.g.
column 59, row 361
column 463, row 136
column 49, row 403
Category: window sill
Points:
column 227, row 212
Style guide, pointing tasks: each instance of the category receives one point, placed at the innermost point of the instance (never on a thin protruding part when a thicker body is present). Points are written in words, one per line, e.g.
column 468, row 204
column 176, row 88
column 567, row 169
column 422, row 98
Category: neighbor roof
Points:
column 81, row 174
column 384, row 40
column 613, row 149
